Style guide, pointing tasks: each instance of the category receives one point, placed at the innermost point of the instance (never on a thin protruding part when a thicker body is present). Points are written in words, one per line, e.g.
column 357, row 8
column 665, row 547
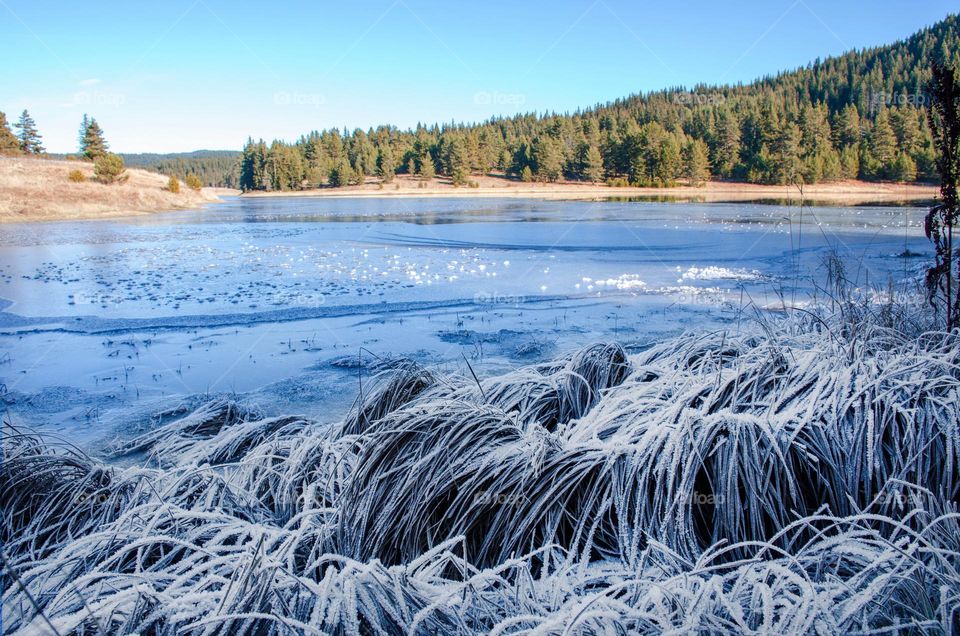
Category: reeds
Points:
column 798, row 478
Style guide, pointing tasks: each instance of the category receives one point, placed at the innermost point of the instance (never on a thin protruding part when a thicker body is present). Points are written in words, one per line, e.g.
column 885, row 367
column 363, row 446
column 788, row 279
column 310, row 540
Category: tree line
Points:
column 215, row 168
column 27, row 140
column 858, row 115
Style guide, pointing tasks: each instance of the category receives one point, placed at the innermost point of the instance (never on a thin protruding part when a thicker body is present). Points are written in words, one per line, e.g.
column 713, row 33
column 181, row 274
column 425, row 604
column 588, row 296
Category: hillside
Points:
column 216, row 168
column 856, row 116
column 39, row 189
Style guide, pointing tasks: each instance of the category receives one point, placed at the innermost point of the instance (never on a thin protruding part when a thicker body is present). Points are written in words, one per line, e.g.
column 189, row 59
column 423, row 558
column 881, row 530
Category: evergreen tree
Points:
column 814, row 130
column 669, row 163
column 253, row 167
column 341, row 174
column 386, row 164
column 787, row 155
column 904, row 168
column 9, row 144
column 456, row 162
column 906, row 126
column 883, row 145
column 93, row 145
column 83, row 131
column 547, row 158
column 109, row 168
column 726, row 150
column 30, row 140
column 847, row 127
column 592, row 166
column 193, row 182
column 696, row 162
column 426, row 169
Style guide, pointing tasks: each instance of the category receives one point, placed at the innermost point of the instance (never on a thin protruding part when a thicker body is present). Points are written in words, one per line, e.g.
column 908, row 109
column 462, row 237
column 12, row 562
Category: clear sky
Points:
column 188, row 74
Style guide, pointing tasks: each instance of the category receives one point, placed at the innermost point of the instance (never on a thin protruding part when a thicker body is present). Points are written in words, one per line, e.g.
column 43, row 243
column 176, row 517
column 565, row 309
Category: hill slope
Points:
column 858, row 115
column 39, row 189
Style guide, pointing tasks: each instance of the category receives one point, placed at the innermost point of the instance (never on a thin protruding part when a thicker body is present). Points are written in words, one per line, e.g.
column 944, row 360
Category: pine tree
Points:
column 253, row 167
column 93, row 144
column 261, row 173
column 547, row 158
column 426, row 168
column 193, row 182
column 814, row 130
column 847, row 127
column 341, row 174
column 696, row 162
column 592, row 168
column 109, row 168
column 456, row 161
column 386, row 164
column 787, row 153
column 904, row 168
column 83, row 131
column 9, row 144
column 883, row 144
column 727, row 145
column 669, row 163
column 906, row 127
column 28, row 135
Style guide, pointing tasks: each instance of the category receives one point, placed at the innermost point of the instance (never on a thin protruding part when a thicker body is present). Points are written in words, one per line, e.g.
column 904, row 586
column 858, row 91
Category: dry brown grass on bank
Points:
column 41, row 189
column 841, row 192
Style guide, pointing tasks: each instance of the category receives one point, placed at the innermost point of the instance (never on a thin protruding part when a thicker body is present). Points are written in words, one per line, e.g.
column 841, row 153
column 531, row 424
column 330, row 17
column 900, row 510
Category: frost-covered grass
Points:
column 797, row 476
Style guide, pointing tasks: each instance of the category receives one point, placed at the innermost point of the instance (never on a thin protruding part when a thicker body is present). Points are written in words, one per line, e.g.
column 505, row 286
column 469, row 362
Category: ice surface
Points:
column 103, row 323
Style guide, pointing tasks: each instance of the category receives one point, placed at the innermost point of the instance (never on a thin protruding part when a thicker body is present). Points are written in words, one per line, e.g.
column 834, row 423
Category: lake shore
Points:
column 40, row 190
column 841, row 192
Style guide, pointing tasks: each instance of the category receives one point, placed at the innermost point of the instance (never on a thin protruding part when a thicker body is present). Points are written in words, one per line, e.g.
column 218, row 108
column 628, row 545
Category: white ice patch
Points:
column 712, row 272
column 621, row 282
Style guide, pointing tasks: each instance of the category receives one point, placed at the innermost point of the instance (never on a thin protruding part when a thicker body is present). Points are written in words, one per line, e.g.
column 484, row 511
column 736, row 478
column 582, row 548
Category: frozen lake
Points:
column 290, row 302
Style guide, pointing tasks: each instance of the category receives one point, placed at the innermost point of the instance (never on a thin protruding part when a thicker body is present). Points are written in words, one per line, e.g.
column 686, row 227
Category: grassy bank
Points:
column 794, row 476
column 41, row 189
column 842, row 193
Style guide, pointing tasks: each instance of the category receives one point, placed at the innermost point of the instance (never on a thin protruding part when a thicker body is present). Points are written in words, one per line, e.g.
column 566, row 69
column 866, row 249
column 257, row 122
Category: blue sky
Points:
column 188, row 74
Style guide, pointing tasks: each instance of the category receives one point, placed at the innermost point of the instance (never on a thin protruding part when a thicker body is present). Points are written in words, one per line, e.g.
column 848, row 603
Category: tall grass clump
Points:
column 796, row 476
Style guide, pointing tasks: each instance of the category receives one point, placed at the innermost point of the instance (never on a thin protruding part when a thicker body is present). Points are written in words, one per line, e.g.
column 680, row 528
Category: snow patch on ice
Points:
column 713, row 272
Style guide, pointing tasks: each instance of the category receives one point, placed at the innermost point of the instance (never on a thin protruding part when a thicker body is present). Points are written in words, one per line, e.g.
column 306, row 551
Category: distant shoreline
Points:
column 842, row 192
column 39, row 190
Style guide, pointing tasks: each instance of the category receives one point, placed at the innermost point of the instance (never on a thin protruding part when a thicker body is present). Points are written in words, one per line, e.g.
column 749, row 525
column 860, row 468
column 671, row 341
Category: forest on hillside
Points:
column 859, row 115
column 216, row 168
